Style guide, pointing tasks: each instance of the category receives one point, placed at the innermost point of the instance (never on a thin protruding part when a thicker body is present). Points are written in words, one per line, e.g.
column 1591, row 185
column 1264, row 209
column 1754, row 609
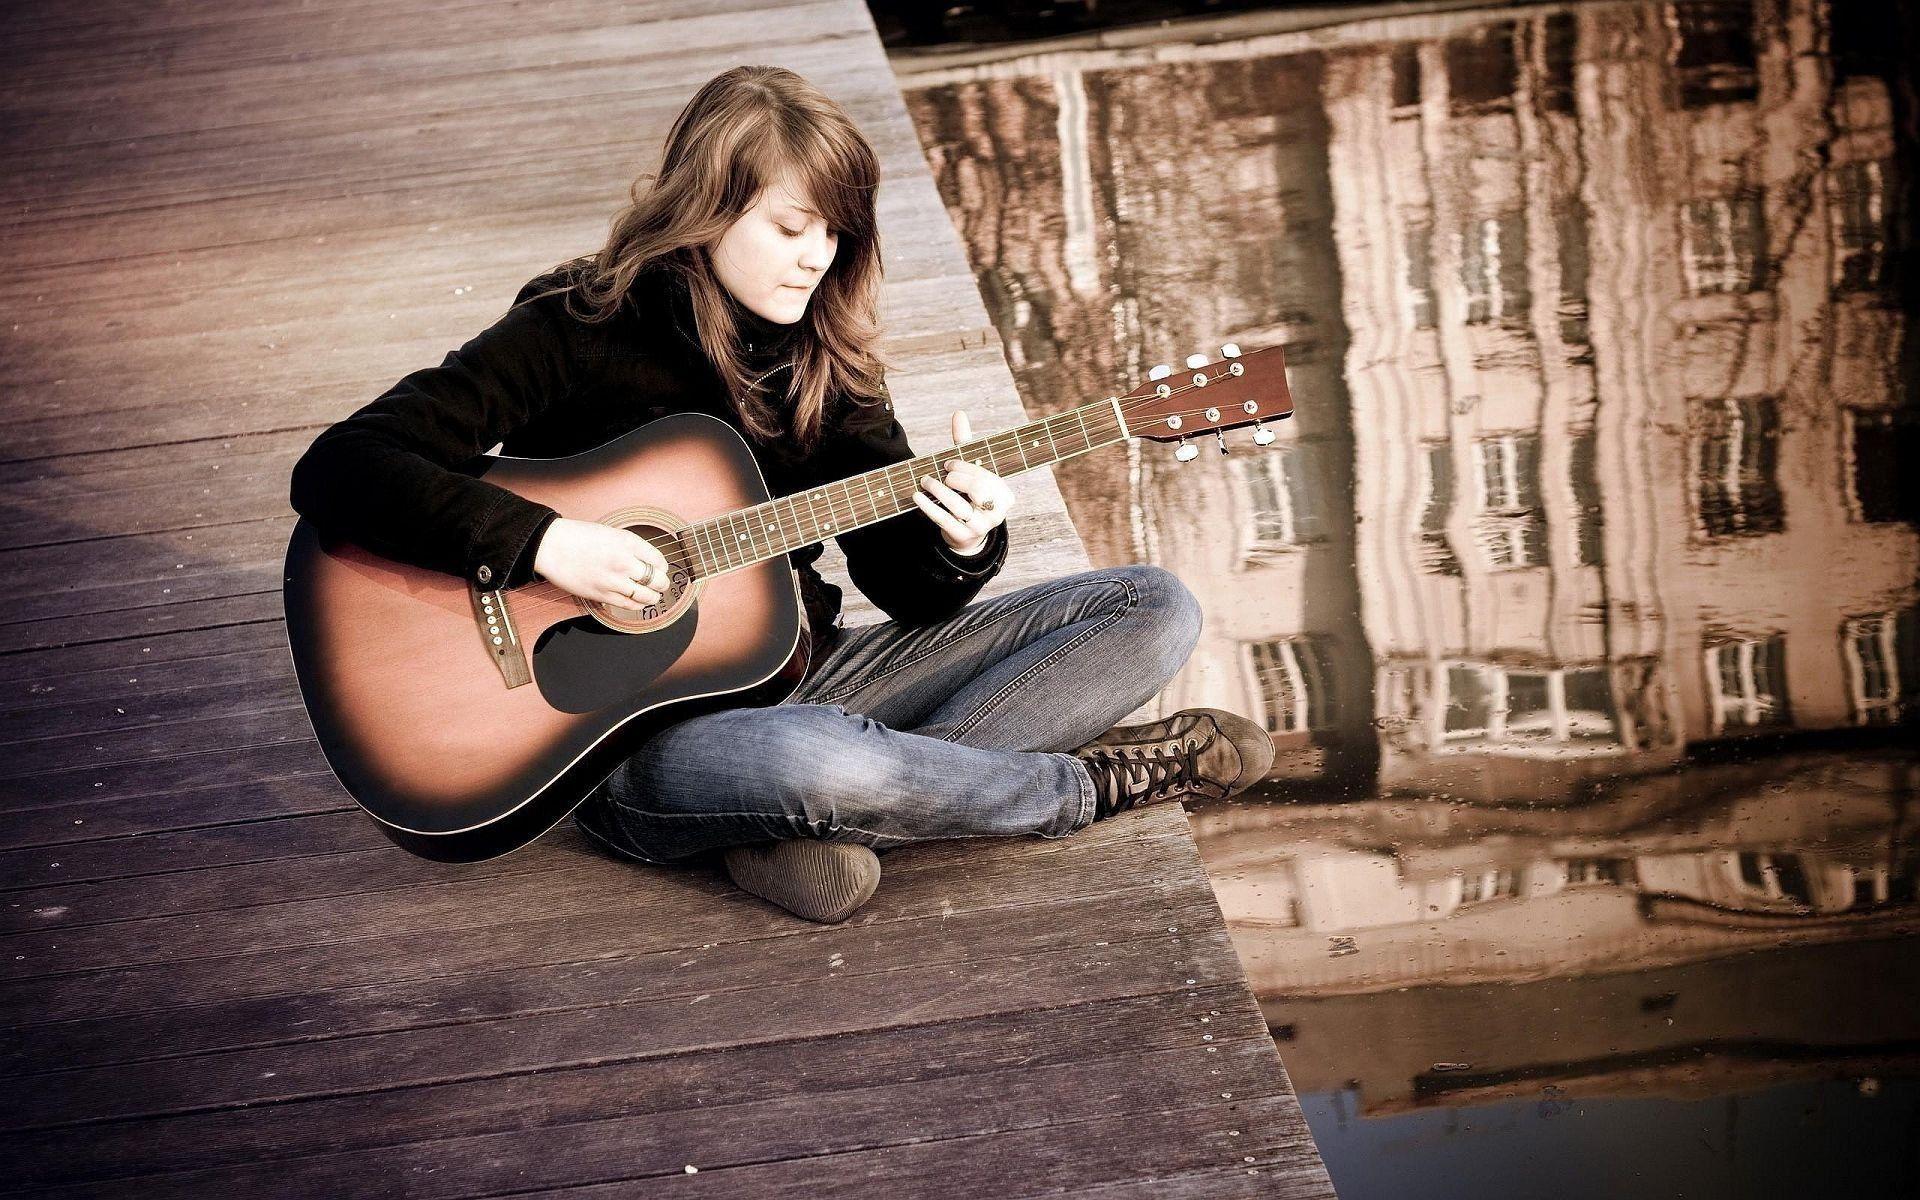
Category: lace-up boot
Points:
column 1206, row 753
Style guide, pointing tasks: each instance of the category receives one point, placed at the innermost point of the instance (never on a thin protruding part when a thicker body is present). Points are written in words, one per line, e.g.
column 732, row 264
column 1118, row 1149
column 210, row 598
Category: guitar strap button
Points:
column 484, row 574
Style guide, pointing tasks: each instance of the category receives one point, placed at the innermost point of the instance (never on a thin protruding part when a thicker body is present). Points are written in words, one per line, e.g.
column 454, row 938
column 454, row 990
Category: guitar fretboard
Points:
column 754, row 535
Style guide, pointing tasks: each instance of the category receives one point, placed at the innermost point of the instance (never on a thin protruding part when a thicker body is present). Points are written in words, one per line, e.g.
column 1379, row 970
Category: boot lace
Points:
column 1129, row 775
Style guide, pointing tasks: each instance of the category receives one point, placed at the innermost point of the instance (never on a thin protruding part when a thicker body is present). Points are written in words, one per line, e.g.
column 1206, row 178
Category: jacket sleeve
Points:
column 902, row 564
column 399, row 476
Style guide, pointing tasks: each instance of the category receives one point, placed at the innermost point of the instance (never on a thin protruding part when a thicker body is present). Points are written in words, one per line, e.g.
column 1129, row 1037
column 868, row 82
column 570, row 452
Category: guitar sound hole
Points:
column 679, row 579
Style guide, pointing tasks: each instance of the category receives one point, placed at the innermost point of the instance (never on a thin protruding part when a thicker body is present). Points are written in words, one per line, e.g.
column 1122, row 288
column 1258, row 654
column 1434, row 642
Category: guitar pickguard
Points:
column 582, row 666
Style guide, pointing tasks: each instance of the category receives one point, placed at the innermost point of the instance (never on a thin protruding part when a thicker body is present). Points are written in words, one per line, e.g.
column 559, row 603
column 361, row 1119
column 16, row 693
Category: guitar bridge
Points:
column 498, row 636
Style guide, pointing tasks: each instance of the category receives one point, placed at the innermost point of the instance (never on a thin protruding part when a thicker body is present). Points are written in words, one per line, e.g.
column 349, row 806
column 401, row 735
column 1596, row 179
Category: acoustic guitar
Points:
column 469, row 722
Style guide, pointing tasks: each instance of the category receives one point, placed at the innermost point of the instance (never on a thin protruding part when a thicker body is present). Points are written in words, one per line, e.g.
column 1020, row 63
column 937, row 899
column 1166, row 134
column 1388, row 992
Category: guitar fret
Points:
column 823, row 496
column 707, row 546
column 737, row 528
column 770, row 528
column 789, row 524
column 813, row 509
column 763, row 520
column 903, row 490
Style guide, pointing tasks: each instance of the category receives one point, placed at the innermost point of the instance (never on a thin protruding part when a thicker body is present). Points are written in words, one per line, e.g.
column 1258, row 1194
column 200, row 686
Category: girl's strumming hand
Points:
column 602, row 563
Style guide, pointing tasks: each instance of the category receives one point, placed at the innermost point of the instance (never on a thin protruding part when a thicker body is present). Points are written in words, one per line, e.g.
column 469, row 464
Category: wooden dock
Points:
column 229, row 224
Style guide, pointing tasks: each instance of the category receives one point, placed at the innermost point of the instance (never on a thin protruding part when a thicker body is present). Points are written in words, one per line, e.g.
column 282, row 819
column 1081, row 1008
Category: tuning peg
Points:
column 1222, row 435
column 1262, row 436
column 1159, row 372
column 1187, row 451
column 1196, row 361
column 1230, row 350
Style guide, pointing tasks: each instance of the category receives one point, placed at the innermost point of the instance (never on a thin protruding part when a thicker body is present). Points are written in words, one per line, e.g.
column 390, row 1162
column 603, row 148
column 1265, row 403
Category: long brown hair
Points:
column 745, row 129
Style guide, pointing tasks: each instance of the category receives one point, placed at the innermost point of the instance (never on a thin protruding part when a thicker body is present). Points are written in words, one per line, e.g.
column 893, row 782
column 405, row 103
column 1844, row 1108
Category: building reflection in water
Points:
column 1579, row 596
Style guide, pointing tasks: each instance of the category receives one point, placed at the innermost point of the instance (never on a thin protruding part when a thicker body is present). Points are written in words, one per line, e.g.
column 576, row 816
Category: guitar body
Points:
column 406, row 690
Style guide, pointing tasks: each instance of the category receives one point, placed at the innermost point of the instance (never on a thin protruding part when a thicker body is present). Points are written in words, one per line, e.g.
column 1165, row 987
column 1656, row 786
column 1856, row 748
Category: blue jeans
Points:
column 906, row 733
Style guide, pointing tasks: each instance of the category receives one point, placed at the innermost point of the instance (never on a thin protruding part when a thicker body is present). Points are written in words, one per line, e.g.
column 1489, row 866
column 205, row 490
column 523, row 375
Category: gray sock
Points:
column 819, row 880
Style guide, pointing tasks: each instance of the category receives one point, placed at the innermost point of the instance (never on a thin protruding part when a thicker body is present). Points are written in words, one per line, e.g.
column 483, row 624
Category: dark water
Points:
column 1579, row 597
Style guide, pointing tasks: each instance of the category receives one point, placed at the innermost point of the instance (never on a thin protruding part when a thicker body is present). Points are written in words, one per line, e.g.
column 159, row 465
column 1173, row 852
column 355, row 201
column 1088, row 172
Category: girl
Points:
column 742, row 281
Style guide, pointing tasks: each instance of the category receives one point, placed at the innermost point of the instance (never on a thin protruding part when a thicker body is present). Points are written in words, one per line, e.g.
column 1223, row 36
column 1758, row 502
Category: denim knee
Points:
column 1171, row 612
column 820, row 763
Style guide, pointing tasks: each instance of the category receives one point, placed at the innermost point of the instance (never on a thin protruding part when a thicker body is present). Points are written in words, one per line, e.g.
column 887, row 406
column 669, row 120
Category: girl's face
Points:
column 773, row 256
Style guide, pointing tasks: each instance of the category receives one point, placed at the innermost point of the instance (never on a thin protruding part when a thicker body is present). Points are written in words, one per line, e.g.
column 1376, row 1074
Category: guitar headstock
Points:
column 1211, row 395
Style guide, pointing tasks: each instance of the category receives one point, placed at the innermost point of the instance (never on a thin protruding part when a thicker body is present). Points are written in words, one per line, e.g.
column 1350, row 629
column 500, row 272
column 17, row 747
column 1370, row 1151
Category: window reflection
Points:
column 1857, row 210
column 1512, row 527
column 1747, row 677
column 1296, row 683
column 1573, row 232
column 1436, row 506
column 1493, row 269
column 1287, row 491
column 1737, row 463
column 1713, row 51
column 1510, row 709
column 1883, row 665
column 1882, row 449
column 1420, row 275
column 1480, row 70
column 1588, row 513
column 1721, row 244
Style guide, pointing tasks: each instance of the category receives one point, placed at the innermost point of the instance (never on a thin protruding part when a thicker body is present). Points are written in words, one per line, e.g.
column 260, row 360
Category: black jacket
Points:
column 398, row 477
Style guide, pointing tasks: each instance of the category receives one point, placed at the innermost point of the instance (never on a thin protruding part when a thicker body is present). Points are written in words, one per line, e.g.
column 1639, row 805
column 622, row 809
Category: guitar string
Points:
column 531, row 605
column 565, row 599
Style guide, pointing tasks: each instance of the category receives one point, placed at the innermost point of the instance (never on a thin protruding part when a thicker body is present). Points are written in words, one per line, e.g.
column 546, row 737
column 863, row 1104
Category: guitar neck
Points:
column 749, row 536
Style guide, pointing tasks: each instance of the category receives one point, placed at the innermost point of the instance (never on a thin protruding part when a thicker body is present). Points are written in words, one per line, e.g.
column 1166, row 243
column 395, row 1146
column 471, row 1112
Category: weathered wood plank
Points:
column 657, row 1080
column 278, row 954
column 470, row 1042
column 496, row 986
column 236, row 844
column 44, row 668
column 255, row 725
column 969, row 1132
column 330, row 872
column 135, row 624
column 172, row 779
column 163, row 690
column 1036, row 1160
column 140, row 727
